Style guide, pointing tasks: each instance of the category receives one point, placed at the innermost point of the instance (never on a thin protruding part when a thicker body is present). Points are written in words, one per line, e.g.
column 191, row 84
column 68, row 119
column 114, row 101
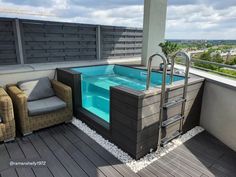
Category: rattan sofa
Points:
column 7, row 122
column 28, row 123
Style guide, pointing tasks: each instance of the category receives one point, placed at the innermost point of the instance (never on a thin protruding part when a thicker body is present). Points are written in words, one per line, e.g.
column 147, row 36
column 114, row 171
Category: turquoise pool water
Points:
column 97, row 80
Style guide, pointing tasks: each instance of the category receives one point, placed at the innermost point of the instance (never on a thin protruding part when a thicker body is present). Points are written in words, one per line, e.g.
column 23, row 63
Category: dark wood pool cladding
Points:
column 134, row 115
column 134, row 120
column 71, row 153
column 71, row 78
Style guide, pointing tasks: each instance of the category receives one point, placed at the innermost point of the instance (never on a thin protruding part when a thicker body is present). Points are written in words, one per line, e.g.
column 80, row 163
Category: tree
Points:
column 217, row 58
column 205, row 56
column 231, row 61
column 208, row 45
column 169, row 48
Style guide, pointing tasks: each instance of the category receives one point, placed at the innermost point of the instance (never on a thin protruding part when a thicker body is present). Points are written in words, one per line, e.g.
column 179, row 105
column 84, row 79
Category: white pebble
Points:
column 136, row 165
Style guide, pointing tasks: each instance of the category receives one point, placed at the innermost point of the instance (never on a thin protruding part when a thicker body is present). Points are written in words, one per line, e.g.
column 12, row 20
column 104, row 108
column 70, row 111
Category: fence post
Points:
column 19, row 41
column 98, row 42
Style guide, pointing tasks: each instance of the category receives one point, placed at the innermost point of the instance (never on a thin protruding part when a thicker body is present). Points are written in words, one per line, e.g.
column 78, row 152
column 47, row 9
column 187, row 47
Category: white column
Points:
column 154, row 25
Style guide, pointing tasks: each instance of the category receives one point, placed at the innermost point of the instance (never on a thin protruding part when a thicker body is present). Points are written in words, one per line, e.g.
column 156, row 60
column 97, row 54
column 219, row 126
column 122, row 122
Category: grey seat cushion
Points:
column 37, row 89
column 45, row 105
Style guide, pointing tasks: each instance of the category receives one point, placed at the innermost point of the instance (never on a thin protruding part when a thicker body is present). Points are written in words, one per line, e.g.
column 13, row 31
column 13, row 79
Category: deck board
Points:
column 15, row 151
column 101, row 164
column 76, row 154
column 23, row 172
column 121, row 168
column 158, row 171
column 72, row 167
column 147, row 173
column 31, row 153
column 190, row 161
column 69, row 152
column 56, row 167
column 173, row 159
column 4, row 160
column 11, row 172
column 17, row 154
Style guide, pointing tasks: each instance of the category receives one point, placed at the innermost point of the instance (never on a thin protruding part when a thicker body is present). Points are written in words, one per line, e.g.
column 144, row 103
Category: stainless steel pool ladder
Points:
column 179, row 117
column 163, row 103
column 163, row 89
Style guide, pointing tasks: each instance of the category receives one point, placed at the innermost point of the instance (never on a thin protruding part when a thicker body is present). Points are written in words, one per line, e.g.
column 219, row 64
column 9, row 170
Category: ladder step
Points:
column 172, row 120
column 166, row 140
column 174, row 103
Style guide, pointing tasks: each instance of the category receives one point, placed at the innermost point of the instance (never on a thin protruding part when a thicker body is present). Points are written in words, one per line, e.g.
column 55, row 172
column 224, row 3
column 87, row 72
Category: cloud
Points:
column 217, row 4
column 72, row 12
column 98, row 4
column 35, row 3
column 201, row 19
column 181, row 2
column 123, row 16
column 106, row 3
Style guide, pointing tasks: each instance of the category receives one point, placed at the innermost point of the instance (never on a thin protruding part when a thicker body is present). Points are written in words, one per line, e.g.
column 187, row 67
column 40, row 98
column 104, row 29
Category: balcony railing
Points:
column 213, row 67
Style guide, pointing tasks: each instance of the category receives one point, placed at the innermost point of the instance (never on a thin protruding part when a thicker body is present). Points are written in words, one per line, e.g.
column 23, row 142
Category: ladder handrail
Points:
column 163, row 90
column 187, row 65
column 149, row 67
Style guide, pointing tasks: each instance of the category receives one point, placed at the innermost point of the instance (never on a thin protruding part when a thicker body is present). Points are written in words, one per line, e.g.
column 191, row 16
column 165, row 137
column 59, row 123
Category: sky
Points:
column 186, row 19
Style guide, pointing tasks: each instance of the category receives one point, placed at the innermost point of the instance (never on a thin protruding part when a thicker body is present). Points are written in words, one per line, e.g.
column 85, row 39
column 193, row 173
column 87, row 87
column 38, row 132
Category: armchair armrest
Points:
column 63, row 91
column 19, row 99
column 6, row 107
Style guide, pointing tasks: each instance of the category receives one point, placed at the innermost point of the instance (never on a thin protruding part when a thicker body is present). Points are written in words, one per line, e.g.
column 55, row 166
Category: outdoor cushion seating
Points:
column 45, row 105
column 7, row 121
column 37, row 89
column 52, row 106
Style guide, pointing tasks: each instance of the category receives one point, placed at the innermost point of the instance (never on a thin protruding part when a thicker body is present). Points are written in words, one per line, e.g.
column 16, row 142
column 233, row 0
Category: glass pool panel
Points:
column 97, row 80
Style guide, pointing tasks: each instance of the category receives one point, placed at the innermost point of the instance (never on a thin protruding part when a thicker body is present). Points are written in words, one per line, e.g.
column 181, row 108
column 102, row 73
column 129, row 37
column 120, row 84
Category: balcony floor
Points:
column 69, row 152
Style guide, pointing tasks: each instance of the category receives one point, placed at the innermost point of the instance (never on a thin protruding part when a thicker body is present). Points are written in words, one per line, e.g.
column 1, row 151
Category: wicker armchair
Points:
column 28, row 123
column 7, row 124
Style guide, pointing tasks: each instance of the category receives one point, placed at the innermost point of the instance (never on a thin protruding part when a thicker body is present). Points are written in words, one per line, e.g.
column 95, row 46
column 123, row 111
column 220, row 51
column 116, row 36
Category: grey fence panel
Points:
column 34, row 41
column 8, row 42
column 54, row 42
column 120, row 42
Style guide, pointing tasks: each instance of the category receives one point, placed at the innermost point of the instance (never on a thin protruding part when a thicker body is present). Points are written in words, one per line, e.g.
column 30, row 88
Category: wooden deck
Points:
column 68, row 152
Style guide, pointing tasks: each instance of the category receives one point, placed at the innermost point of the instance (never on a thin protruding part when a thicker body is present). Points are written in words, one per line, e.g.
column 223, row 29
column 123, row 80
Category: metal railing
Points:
column 163, row 89
column 220, row 65
column 149, row 68
column 187, row 65
column 214, row 63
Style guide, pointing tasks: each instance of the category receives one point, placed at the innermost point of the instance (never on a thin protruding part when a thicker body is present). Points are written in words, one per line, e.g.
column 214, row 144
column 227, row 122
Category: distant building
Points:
column 216, row 52
column 196, row 51
column 231, row 52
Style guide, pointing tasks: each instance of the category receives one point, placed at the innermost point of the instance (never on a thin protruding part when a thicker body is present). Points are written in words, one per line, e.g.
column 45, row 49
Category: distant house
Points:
column 231, row 52
column 216, row 52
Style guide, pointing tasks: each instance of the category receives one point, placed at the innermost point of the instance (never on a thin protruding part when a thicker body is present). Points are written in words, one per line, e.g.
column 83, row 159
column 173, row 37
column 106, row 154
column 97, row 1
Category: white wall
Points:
column 12, row 78
column 218, row 115
column 219, row 112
